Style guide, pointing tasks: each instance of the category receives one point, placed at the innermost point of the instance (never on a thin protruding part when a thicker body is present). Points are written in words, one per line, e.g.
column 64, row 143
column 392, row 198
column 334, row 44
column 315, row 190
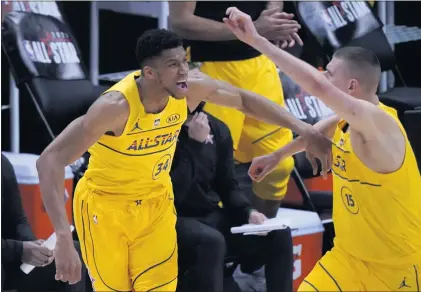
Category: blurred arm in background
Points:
column 183, row 21
column 272, row 24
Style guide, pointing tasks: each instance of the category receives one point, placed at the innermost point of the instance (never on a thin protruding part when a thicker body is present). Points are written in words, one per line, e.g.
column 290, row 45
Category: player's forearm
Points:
column 51, row 178
column 265, row 110
column 296, row 146
column 305, row 75
column 193, row 27
column 326, row 127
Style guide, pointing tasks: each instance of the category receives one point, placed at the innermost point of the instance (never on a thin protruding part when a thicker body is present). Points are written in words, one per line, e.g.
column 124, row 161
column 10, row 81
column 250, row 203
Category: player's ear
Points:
column 148, row 72
column 352, row 85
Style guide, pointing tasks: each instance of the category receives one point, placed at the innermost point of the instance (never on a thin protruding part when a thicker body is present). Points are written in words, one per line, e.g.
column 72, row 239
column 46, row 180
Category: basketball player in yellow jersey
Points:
column 123, row 206
column 223, row 57
column 376, row 184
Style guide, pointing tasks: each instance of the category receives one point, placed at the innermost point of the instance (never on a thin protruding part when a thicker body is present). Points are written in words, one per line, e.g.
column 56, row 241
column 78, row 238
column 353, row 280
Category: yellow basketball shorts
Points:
column 127, row 245
column 252, row 137
column 339, row 271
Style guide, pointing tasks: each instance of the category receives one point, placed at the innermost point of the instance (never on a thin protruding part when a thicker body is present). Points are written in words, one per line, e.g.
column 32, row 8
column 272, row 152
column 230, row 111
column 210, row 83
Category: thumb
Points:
column 270, row 11
column 39, row 241
column 45, row 251
column 231, row 24
column 193, row 119
column 229, row 10
column 260, row 176
column 262, row 218
column 255, row 169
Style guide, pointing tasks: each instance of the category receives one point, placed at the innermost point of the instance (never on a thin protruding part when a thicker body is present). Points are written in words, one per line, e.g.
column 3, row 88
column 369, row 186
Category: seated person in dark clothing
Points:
column 19, row 244
column 203, row 175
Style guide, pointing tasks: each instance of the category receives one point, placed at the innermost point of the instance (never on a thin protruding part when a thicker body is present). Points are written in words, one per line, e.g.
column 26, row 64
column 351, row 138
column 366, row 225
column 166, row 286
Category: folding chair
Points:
column 320, row 202
column 47, row 66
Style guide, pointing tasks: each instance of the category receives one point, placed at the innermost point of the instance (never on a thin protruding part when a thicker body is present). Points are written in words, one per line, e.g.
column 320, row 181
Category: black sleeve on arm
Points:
column 13, row 204
column 225, row 184
column 183, row 173
column 11, row 251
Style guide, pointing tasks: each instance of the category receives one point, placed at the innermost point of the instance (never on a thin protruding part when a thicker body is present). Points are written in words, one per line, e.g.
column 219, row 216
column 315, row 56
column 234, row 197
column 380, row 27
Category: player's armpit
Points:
column 108, row 113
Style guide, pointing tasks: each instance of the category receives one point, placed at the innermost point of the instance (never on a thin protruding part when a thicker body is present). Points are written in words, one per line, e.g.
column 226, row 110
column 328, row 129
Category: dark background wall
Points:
column 408, row 55
column 118, row 34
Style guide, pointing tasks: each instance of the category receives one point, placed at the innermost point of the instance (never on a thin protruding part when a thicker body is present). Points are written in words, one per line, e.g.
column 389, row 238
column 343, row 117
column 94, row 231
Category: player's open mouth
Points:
column 182, row 85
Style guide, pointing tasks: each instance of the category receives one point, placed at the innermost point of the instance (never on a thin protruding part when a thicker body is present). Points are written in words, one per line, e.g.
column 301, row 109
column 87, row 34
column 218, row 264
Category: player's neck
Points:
column 154, row 100
column 372, row 98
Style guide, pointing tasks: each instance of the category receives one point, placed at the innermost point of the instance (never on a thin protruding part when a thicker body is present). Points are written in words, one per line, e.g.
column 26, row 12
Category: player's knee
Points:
column 214, row 244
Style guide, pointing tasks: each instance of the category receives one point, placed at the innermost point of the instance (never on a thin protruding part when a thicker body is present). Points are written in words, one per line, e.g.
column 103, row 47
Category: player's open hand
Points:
column 276, row 25
column 68, row 265
column 279, row 27
column 262, row 166
column 320, row 147
column 241, row 25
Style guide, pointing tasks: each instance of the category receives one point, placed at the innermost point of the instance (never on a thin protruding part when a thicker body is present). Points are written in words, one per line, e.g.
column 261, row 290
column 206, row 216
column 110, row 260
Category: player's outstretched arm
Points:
column 263, row 165
column 358, row 113
column 109, row 111
column 204, row 88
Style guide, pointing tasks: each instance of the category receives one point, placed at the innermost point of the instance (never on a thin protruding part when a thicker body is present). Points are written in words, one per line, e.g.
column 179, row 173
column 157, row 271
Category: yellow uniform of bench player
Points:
column 376, row 181
column 223, row 57
column 123, row 206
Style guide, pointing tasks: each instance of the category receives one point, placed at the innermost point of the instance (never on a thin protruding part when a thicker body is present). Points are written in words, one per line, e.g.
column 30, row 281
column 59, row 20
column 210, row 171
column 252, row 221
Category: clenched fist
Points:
column 199, row 127
column 262, row 166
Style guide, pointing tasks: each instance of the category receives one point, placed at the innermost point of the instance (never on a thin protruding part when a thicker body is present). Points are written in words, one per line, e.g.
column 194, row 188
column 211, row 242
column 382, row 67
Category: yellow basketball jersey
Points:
column 377, row 216
column 137, row 163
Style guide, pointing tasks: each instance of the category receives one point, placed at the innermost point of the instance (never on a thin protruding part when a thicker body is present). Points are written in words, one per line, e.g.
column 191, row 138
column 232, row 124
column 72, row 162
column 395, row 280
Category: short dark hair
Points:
column 358, row 55
column 363, row 62
column 152, row 42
